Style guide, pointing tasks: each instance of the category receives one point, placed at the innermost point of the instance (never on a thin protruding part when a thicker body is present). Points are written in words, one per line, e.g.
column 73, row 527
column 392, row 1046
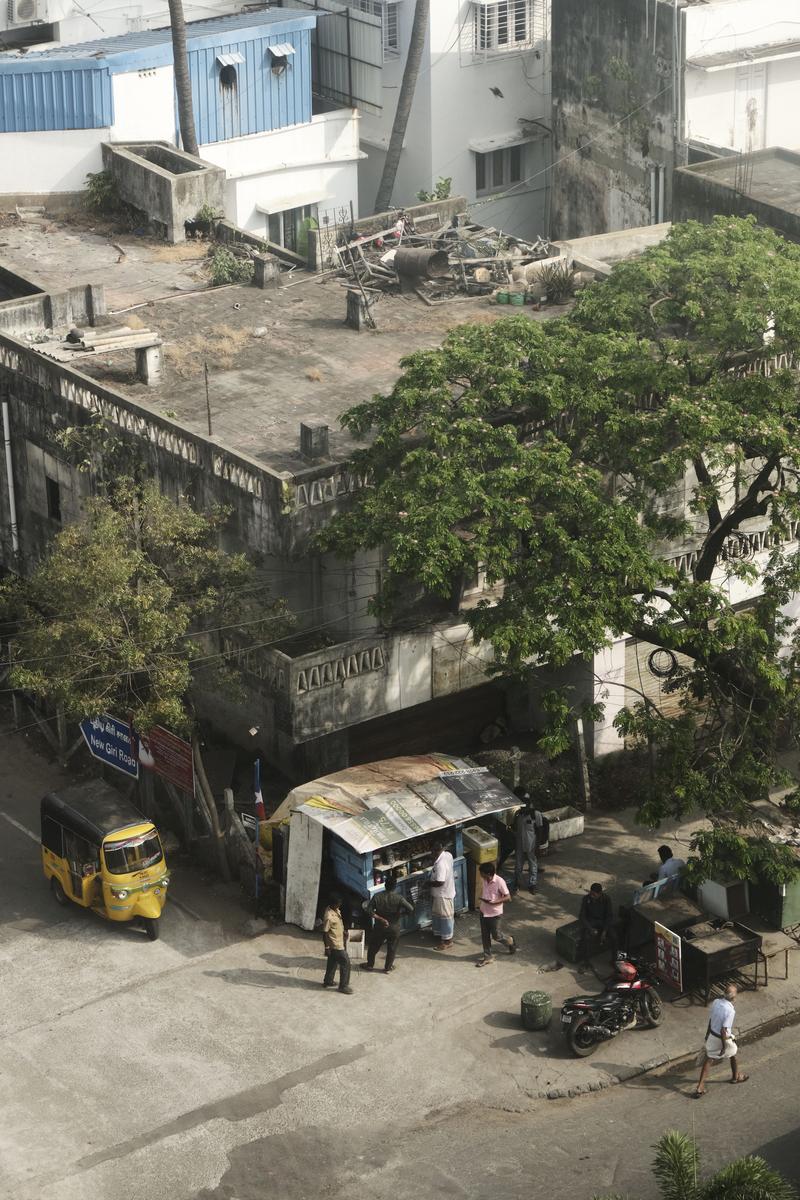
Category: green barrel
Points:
column 516, row 298
column 536, row 1009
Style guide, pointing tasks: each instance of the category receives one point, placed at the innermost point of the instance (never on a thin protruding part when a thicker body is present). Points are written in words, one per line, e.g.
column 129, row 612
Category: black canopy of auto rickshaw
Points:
column 92, row 809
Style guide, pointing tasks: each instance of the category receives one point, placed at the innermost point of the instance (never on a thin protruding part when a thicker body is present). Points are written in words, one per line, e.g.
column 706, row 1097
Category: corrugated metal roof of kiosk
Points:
column 381, row 803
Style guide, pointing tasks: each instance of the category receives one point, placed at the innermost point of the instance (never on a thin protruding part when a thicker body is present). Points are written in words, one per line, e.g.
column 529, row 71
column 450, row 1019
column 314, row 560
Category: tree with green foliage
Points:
column 575, row 460
column 123, row 614
column 676, row 1169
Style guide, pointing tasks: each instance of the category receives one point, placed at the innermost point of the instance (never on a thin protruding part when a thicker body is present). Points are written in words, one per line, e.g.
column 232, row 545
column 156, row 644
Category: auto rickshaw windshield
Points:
column 134, row 854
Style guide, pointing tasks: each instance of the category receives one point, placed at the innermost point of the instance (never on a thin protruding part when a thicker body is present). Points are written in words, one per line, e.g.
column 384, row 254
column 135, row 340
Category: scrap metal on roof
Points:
column 382, row 803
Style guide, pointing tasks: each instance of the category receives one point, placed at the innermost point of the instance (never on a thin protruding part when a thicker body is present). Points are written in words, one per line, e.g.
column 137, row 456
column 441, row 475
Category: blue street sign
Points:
column 110, row 740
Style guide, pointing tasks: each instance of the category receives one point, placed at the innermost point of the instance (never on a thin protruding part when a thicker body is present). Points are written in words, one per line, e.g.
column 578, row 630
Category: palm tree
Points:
column 183, row 86
column 405, row 100
column 676, row 1168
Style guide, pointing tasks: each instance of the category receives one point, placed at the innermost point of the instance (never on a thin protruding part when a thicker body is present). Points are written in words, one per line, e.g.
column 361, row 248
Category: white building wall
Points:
column 49, row 162
column 415, row 168
column 269, row 170
column 453, row 105
column 144, row 106
column 54, row 161
column 746, row 107
column 73, row 23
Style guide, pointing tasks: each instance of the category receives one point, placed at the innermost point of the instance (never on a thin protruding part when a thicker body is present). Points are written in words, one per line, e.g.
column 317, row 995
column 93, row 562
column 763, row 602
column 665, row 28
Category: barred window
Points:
column 387, row 11
column 505, row 25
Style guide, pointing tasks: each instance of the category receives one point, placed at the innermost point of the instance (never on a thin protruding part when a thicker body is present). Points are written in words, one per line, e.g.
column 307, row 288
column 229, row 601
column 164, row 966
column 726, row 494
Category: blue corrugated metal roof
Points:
column 57, row 99
column 153, row 47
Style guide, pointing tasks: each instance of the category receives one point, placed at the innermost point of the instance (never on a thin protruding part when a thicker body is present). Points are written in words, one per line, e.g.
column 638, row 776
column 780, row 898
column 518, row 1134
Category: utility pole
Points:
column 183, row 86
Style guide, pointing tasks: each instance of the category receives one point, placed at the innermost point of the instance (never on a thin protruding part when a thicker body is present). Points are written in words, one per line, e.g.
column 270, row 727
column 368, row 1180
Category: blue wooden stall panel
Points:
column 72, row 98
column 261, row 100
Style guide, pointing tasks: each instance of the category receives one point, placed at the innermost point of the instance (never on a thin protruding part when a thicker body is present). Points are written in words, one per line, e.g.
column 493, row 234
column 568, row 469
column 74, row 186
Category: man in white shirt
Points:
column 670, row 865
column 443, row 887
column 719, row 1043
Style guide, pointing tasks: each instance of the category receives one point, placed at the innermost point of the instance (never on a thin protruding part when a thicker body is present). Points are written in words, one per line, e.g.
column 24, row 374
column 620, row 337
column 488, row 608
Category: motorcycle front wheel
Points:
column 582, row 1042
column 652, row 1009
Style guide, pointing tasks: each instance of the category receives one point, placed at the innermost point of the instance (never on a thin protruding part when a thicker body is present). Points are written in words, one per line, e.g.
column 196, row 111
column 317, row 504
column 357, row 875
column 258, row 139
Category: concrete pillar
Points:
column 148, row 365
column 358, row 313
column 266, row 272
column 95, row 302
column 314, row 440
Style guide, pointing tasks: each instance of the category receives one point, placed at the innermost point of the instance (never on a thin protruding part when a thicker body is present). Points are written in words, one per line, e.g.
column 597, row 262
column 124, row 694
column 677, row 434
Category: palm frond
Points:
column 748, row 1178
column 676, row 1165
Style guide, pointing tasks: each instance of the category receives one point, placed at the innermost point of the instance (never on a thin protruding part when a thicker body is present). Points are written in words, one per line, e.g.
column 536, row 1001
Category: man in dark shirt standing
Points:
column 387, row 908
column 596, row 916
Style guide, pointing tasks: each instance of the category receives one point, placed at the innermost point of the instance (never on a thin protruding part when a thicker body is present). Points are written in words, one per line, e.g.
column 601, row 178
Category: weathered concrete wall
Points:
column 166, row 184
column 701, row 194
column 612, row 114
column 52, row 310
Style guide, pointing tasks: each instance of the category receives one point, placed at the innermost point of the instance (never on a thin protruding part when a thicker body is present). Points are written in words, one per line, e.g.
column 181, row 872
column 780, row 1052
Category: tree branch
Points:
column 715, row 539
column 713, row 511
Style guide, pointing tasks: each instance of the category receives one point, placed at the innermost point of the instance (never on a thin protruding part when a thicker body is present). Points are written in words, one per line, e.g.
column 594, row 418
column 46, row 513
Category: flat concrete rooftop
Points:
column 769, row 176
column 275, row 358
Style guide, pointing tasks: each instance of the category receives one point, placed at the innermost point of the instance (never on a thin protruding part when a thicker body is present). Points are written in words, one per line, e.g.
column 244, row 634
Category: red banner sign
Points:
column 169, row 756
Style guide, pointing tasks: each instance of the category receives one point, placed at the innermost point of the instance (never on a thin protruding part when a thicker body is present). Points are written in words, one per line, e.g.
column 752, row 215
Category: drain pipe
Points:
column 12, row 504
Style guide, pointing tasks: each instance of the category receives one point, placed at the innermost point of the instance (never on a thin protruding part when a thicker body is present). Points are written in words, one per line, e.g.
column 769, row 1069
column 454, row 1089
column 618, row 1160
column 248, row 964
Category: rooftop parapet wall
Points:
column 166, row 184
column 273, row 512
column 765, row 184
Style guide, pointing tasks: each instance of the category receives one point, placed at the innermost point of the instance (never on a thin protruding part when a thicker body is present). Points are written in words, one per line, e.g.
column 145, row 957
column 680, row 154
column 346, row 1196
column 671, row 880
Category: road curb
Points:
column 664, row 1063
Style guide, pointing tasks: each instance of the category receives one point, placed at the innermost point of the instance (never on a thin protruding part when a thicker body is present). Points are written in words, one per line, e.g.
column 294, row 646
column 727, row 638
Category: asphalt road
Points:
column 205, row 1067
column 571, row 1149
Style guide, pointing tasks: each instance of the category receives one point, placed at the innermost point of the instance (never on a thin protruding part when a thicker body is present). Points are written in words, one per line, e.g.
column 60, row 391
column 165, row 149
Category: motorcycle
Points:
column 628, row 997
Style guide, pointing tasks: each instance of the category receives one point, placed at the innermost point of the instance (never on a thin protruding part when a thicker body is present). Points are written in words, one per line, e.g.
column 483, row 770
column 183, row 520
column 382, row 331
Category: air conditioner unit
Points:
column 23, row 12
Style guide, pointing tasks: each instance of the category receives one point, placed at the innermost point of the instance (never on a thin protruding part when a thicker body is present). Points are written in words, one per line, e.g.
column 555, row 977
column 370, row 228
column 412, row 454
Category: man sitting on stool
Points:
column 670, row 868
column 596, row 917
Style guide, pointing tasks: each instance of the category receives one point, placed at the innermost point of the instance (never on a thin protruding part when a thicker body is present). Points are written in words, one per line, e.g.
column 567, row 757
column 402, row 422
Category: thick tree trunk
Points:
column 406, row 99
column 183, row 85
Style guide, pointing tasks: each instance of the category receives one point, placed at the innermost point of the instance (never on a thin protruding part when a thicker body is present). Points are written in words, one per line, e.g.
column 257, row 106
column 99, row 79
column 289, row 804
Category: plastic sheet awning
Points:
column 382, row 803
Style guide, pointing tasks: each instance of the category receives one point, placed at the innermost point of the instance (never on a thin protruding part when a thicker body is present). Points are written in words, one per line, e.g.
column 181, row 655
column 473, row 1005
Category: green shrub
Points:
column 557, row 280
column 226, row 267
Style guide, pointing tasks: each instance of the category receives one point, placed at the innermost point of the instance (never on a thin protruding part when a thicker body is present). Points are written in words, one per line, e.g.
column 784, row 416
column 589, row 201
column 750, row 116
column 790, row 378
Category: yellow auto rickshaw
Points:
column 101, row 853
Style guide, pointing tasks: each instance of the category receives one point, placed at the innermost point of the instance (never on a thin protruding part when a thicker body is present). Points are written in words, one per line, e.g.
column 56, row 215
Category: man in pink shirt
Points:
column 494, row 894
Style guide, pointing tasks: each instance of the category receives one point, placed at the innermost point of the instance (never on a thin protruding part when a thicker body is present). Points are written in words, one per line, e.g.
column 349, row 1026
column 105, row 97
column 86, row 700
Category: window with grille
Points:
column 387, row 11
column 505, row 25
column 498, row 170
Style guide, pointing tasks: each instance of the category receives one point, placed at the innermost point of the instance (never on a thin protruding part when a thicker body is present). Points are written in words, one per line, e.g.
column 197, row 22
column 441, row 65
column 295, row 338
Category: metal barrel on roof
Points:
column 420, row 262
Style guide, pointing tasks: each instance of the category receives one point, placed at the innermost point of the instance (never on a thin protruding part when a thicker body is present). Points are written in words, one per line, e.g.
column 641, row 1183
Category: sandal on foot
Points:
column 698, row 1095
column 740, row 1079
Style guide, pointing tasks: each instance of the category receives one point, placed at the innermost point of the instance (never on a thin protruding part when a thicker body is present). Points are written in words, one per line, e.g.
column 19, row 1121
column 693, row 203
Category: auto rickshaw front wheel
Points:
column 58, row 891
column 151, row 927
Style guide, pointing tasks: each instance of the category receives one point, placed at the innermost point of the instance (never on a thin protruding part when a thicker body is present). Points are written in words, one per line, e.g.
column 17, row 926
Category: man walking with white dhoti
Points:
column 443, row 888
column 720, row 1043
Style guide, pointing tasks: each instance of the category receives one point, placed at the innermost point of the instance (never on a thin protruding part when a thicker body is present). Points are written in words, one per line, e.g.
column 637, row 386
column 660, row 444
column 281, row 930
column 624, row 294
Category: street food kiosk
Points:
column 353, row 828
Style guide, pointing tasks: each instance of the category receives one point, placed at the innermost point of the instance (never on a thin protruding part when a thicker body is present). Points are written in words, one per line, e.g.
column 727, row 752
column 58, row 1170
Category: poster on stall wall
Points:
column 669, row 966
column 476, row 788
